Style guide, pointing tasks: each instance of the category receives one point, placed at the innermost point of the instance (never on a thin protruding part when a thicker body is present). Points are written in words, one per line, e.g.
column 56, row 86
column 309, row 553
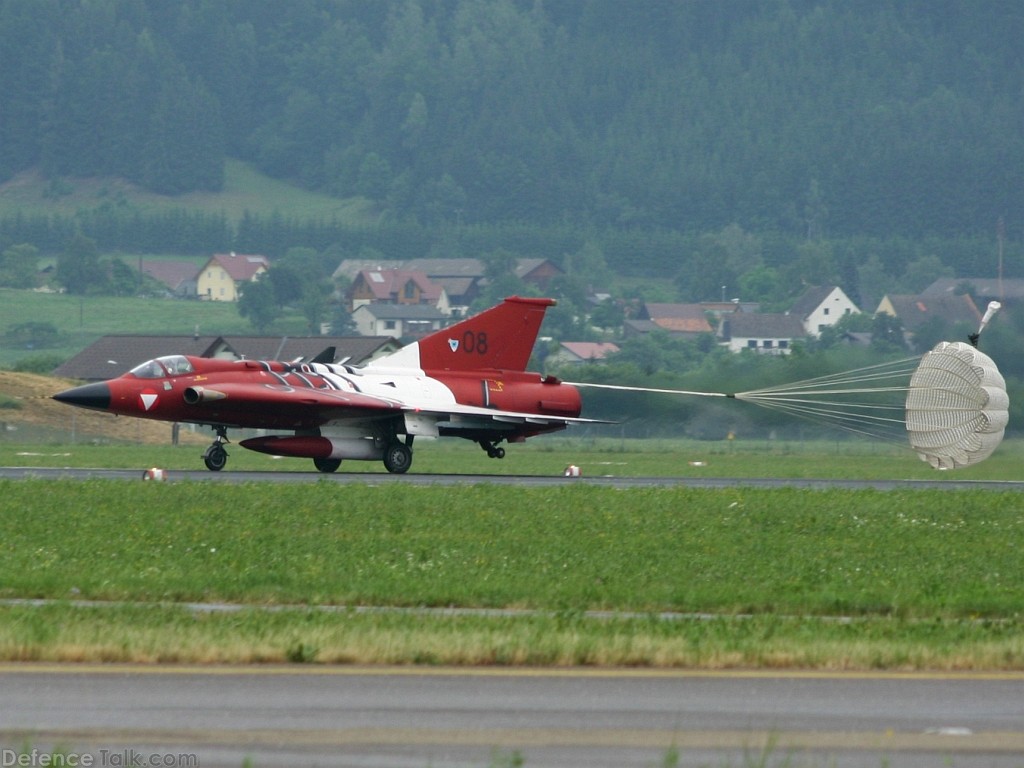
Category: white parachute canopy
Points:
column 956, row 409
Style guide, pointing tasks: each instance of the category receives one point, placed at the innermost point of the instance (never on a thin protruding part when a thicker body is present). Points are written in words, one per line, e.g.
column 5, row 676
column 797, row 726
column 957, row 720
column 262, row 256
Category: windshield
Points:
column 176, row 365
column 172, row 365
column 151, row 369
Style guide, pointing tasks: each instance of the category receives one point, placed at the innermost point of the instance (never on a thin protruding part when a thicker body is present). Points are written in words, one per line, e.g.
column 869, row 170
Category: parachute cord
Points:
column 646, row 389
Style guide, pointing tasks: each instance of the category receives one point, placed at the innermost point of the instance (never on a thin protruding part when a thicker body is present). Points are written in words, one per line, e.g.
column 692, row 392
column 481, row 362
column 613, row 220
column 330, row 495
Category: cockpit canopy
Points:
column 171, row 365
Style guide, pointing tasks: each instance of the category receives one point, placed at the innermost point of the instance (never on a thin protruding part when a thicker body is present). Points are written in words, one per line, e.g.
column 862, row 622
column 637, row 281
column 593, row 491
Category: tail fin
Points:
column 501, row 337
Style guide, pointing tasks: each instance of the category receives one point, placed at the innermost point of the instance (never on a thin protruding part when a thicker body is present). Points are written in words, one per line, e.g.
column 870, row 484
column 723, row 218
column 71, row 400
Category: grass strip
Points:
column 915, row 554
column 168, row 634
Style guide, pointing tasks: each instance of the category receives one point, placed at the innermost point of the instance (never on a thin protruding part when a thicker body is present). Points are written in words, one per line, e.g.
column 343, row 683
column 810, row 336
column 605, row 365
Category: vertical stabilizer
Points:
column 501, row 337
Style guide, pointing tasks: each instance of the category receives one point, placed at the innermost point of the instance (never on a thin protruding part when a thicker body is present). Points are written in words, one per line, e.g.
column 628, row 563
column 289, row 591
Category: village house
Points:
column 821, row 307
column 396, row 286
column 771, row 334
column 914, row 312
column 221, row 277
column 679, row 320
column 403, row 321
column 462, row 279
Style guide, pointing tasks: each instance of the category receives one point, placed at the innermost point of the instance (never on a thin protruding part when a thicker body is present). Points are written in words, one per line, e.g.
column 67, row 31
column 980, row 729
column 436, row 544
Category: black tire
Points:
column 327, row 465
column 215, row 458
column 397, row 458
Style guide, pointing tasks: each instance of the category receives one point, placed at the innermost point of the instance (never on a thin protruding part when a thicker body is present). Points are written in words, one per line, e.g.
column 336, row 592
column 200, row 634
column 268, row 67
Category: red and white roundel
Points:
column 147, row 399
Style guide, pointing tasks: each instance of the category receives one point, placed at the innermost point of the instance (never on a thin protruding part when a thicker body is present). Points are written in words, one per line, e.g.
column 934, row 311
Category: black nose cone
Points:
column 96, row 396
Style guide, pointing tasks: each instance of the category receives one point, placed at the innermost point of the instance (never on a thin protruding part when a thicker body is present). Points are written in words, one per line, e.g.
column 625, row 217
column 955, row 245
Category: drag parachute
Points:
column 956, row 408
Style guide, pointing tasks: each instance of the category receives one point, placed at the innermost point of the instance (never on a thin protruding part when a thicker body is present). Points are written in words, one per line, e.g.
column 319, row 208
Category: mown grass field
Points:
column 80, row 320
column 755, row 578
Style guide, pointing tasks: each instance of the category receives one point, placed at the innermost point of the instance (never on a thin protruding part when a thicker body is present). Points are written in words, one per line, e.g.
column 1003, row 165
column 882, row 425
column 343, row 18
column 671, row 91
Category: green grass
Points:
column 82, row 320
column 917, row 554
column 836, row 579
column 165, row 634
column 245, row 189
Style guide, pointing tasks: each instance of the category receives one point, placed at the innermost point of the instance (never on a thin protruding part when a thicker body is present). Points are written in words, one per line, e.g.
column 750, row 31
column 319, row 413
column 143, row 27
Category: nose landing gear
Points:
column 215, row 457
column 493, row 451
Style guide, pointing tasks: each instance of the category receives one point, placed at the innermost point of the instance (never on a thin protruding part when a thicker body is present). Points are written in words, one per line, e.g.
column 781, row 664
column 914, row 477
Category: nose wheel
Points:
column 216, row 456
column 493, row 451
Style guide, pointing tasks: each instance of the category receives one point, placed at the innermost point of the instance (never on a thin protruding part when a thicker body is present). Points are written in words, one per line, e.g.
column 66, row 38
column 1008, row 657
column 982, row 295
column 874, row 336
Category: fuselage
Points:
column 263, row 395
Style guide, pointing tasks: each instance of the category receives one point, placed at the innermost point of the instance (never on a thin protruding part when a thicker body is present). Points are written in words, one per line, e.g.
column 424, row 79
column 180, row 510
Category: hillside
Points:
column 246, row 190
column 28, row 415
column 805, row 117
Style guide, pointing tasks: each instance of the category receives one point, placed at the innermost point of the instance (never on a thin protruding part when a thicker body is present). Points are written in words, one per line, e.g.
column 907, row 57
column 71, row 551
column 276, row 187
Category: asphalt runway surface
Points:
column 374, row 478
column 401, row 716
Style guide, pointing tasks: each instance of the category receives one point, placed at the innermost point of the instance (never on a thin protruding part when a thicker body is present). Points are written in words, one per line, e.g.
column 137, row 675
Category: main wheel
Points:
column 397, row 458
column 215, row 457
column 327, row 465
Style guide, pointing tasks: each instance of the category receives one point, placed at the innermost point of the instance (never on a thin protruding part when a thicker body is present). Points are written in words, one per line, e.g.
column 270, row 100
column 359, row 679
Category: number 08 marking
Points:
column 474, row 342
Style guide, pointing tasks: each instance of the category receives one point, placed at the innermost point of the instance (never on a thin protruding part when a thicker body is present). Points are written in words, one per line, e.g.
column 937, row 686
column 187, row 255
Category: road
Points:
column 376, row 478
column 424, row 717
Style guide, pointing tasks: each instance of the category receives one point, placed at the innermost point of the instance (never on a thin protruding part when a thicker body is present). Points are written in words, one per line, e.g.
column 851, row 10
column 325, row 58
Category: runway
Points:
column 344, row 716
column 381, row 478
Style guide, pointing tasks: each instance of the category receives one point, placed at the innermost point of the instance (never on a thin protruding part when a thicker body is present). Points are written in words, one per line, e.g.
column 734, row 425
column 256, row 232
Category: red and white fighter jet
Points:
column 468, row 380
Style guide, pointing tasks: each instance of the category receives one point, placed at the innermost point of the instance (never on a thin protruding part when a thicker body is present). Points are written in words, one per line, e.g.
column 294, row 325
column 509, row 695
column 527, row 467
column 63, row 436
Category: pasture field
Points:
column 81, row 320
column 245, row 190
column 833, row 579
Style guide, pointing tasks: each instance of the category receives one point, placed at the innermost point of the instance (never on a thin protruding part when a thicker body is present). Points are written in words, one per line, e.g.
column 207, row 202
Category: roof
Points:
column 685, row 318
column 386, row 283
column 983, row 287
column 401, row 311
column 915, row 311
column 590, row 350
column 455, row 286
column 524, row 267
column 170, row 272
column 354, row 349
column 240, row 267
column 751, row 325
column 436, row 268
column 351, row 268
column 466, row 268
column 112, row 355
column 811, row 299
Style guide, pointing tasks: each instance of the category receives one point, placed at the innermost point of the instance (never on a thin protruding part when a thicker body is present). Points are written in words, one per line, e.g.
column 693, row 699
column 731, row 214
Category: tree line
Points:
column 806, row 117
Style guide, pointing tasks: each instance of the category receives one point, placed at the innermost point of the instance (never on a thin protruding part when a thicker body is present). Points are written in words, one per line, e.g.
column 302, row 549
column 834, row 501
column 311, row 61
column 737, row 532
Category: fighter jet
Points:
column 468, row 380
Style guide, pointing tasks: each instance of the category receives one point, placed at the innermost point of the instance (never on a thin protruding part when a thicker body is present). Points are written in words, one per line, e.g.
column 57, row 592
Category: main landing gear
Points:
column 398, row 456
column 216, row 456
column 493, row 451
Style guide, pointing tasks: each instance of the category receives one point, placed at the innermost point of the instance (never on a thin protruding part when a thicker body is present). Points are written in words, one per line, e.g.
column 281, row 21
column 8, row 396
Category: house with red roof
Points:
column 221, row 276
column 396, row 286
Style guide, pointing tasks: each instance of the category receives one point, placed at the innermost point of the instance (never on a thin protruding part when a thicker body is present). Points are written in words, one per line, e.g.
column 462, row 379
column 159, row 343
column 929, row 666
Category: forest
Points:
column 809, row 118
